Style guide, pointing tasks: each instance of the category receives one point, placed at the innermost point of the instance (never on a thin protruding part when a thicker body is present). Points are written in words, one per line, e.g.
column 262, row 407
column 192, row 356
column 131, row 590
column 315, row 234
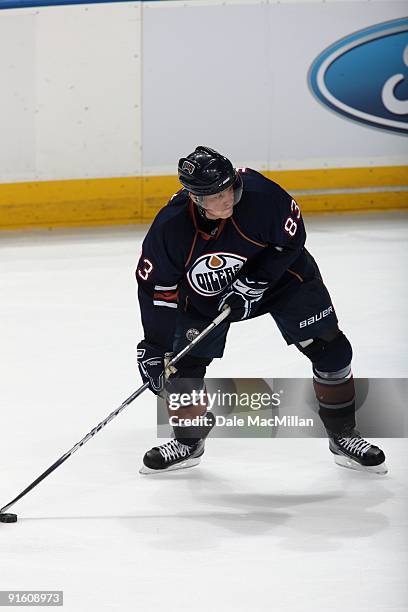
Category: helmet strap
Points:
column 196, row 201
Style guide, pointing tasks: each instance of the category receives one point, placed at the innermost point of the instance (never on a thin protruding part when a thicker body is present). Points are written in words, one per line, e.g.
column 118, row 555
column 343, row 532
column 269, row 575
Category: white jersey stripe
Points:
column 161, row 303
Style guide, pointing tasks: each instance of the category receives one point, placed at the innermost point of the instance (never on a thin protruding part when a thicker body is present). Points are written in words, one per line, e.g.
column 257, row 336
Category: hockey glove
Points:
column 153, row 366
column 242, row 297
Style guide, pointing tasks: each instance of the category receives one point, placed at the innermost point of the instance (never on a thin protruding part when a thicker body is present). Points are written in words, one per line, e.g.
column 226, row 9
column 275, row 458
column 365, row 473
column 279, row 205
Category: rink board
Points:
column 91, row 132
column 138, row 199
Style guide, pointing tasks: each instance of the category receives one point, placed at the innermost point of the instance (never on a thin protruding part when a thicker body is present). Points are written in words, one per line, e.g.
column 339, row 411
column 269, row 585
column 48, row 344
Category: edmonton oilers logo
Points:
column 364, row 76
column 211, row 273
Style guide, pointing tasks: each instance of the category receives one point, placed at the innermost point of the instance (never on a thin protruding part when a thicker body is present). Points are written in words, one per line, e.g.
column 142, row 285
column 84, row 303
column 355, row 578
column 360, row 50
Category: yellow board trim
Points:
column 339, row 202
column 340, row 178
column 124, row 200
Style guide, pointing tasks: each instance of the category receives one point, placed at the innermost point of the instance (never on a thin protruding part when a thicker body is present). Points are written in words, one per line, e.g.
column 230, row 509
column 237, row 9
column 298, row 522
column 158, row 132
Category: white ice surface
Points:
column 260, row 524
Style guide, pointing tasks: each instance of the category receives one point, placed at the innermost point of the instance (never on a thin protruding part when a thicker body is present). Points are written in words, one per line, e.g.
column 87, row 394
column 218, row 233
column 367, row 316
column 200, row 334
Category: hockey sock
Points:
column 335, row 394
column 338, row 420
column 191, row 434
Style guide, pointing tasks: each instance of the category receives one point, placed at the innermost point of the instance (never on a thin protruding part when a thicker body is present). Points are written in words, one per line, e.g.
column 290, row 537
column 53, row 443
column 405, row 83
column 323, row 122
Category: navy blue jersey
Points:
column 187, row 262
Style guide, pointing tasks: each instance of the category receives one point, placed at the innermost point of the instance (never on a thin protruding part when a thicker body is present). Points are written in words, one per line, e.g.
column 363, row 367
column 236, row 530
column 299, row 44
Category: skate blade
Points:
column 354, row 465
column 178, row 466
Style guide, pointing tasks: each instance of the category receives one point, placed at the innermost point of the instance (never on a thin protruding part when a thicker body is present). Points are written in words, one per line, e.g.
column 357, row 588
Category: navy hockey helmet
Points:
column 207, row 172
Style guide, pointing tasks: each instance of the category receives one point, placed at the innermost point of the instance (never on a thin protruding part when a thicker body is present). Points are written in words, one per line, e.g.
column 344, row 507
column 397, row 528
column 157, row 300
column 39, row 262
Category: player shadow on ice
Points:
column 316, row 522
column 319, row 521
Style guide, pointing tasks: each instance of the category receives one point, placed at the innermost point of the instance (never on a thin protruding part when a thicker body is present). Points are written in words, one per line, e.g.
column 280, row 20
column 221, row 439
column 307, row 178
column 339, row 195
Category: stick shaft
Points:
column 115, row 413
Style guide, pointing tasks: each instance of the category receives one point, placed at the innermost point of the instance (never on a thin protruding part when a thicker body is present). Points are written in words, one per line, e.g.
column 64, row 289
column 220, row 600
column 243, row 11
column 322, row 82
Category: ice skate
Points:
column 351, row 451
column 171, row 456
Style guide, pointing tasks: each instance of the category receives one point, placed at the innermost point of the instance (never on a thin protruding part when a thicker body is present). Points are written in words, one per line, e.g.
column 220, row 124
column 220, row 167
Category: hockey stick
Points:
column 12, row 518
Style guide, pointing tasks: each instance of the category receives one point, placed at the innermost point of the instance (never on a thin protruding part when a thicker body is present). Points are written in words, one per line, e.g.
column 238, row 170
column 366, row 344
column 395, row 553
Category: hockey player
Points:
column 235, row 237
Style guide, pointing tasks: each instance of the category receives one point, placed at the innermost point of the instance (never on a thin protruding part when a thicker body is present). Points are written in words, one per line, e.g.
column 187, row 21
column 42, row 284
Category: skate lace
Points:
column 355, row 445
column 174, row 450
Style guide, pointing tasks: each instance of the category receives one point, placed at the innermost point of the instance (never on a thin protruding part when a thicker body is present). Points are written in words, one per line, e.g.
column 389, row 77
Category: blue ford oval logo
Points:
column 365, row 76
